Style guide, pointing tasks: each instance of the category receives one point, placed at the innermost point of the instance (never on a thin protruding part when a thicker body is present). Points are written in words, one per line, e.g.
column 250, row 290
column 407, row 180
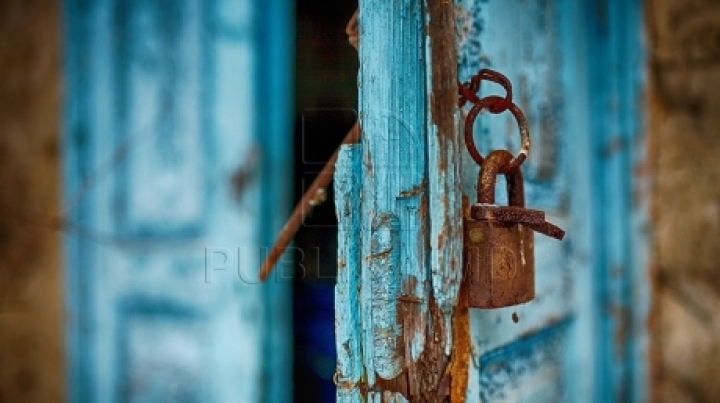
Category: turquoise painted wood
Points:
column 392, row 115
column 176, row 162
column 347, row 334
column 578, row 73
column 615, row 35
column 527, row 360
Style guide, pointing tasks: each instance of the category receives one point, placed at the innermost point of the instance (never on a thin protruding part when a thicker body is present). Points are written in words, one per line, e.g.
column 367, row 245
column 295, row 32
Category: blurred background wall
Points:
column 31, row 302
column 684, row 130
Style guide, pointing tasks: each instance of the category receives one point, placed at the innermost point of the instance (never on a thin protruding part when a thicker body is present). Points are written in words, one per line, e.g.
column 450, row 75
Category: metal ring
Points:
column 498, row 78
column 468, row 91
column 489, row 103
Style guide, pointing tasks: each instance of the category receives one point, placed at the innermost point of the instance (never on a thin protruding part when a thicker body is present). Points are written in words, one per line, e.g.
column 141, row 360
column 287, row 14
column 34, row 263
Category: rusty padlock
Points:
column 499, row 246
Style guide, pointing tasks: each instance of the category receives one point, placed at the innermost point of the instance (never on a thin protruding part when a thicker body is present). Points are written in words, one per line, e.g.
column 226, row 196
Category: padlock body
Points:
column 499, row 260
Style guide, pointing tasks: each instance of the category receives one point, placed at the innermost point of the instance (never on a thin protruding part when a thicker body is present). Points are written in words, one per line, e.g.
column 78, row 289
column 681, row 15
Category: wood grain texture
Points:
column 405, row 307
column 412, row 327
column 445, row 151
column 392, row 117
column 347, row 298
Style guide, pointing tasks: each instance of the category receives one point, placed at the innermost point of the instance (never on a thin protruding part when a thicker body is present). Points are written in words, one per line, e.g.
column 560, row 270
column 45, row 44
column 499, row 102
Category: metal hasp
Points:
column 499, row 259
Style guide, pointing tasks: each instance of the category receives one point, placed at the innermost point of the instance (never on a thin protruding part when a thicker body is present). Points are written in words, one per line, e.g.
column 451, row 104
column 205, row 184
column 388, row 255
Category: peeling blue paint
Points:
column 347, row 298
column 392, row 117
column 384, row 273
column 528, row 369
column 413, row 179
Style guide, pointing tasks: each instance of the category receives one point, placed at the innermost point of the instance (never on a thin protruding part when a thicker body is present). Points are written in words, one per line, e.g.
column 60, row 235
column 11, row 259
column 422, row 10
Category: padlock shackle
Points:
column 487, row 178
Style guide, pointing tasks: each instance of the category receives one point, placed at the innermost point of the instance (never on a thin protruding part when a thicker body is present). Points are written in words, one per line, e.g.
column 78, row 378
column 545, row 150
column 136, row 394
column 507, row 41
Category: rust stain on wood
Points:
column 421, row 381
column 413, row 323
column 427, row 379
column 423, row 242
column 459, row 366
column 441, row 34
column 367, row 160
column 433, row 362
column 415, row 190
column 441, row 238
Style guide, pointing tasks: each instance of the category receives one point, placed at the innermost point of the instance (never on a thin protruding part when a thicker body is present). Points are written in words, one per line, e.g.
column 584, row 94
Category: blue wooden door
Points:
column 176, row 141
column 577, row 74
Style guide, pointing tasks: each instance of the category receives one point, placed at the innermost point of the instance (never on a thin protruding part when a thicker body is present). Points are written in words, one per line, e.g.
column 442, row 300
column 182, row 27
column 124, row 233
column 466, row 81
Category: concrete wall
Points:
column 31, row 304
column 685, row 137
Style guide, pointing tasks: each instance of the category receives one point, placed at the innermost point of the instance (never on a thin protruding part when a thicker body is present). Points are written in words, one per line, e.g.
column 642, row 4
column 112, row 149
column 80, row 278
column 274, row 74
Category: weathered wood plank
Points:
column 445, row 152
column 351, row 395
column 347, row 299
column 415, row 171
column 392, row 114
column 614, row 30
column 274, row 35
column 405, row 307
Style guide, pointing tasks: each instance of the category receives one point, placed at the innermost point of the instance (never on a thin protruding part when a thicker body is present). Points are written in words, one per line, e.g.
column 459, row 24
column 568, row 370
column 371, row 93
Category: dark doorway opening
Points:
column 325, row 109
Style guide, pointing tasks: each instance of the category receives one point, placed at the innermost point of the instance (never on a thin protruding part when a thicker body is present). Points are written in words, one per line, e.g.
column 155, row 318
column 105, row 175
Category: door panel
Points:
column 173, row 191
column 530, row 368
column 158, row 80
column 521, row 350
column 522, row 40
column 576, row 70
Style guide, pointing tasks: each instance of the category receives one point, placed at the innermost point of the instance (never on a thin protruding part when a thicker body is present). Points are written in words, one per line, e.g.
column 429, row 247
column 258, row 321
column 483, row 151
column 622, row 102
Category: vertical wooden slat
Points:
column 582, row 197
column 347, row 298
column 444, row 156
column 274, row 37
column 392, row 115
column 394, row 209
column 615, row 71
column 404, row 305
column 351, row 395
column 75, row 166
